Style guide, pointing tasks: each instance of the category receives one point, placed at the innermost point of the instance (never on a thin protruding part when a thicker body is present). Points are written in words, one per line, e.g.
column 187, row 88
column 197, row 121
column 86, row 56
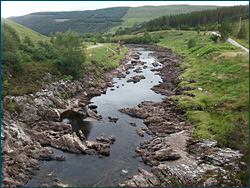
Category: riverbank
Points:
column 32, row 122
column 176, row 158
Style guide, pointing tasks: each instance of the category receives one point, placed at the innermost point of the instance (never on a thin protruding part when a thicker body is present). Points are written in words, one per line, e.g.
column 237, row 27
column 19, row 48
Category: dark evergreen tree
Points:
column 243, row 32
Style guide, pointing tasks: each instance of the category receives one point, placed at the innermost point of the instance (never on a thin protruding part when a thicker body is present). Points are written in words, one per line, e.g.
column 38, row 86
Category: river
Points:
column 89, row 170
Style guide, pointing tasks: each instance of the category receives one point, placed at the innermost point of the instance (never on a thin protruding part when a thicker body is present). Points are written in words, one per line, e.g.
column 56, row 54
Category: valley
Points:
column 162, row 108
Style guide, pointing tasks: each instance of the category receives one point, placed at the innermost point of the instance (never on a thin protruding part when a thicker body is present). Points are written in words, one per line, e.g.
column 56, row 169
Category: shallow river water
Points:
column 89, row 170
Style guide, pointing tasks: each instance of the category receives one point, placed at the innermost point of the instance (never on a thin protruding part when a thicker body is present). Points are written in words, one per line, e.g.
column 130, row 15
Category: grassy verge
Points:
column 104, row 58
column 243, row 42
column 221, row 72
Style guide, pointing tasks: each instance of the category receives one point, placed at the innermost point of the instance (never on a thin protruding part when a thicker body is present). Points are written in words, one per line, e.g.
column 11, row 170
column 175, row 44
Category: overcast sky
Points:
column 19, row 8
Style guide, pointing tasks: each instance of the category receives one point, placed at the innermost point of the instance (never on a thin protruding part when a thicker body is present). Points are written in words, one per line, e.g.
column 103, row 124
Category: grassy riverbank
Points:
column 219, row 74
column 28, row 80
column 221, row 87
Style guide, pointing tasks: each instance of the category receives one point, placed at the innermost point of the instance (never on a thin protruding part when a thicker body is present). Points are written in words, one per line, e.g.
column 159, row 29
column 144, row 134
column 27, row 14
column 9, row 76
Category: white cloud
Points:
column 19, row 8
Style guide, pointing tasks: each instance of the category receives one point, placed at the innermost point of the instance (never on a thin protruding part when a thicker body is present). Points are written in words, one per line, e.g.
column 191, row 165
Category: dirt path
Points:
column 233, row 42
column 237, row 44
column 94, row 46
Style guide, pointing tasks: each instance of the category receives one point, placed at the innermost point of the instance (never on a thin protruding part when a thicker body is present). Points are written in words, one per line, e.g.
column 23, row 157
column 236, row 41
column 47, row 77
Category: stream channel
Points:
column 89, row 170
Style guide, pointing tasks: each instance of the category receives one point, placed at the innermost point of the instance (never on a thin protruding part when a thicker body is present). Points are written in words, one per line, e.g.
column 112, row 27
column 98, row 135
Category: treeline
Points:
column 65, row 51
column 99, row 21
column 145, row 39
column 202, row 20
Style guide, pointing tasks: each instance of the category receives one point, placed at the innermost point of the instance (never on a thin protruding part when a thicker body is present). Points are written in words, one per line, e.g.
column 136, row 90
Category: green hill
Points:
column 24, row 31
column 99, row 21
column 138, row 15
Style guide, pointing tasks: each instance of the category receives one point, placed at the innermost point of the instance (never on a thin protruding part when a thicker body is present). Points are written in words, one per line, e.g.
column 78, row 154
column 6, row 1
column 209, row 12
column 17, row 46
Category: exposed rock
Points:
column 81, row 135
column 135, row 56
column 136, row 79
column 113, row 119
column 92, row 114
column 57, row 183
column 138, row 70
column 155, row 64
column 134, row 112
column 121, row 75
column 133, row 124
column 92, row 106
column 112, row 139
column 166, row 154
column 89, row 119
column 60, row 158
column 140, row 132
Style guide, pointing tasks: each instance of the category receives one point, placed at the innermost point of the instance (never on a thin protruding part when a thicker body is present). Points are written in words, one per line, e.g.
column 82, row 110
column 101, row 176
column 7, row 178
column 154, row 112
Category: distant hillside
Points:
column 99, row 21
column 138, row 15
column 207, row 18
column 24, row 31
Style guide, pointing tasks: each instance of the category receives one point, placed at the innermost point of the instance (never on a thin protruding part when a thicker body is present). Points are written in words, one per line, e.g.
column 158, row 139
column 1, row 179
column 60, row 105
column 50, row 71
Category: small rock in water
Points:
column 125, row 171
column 92, row 106
column 112, row 119
column 81, row 135
column 89, row 119
column 140, row 132
column 133, row 124
column 60, row 158
column 112, row 139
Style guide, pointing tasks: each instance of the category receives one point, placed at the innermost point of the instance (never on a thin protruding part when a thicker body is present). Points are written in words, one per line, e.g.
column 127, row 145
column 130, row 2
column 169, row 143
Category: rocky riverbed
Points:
column 32, row 124
column 176, row 159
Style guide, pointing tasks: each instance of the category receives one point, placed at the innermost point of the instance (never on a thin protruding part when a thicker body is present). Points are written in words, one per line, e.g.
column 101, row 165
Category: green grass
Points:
column 221, row 70
column 137, row 15
column 24, row 31
column 106, row 57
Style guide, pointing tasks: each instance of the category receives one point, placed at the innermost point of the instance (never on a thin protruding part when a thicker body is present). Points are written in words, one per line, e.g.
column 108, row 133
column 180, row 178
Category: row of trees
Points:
column 202, row 20
column 65, row 51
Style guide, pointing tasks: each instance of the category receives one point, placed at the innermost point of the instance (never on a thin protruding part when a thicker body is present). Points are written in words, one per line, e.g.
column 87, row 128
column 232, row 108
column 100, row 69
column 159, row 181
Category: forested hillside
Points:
column 137, row 15
column 201, row 18
column 98, row 21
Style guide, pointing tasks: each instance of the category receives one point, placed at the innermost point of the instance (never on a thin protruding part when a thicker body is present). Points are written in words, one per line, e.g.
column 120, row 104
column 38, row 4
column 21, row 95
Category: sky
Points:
column 19, row 8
